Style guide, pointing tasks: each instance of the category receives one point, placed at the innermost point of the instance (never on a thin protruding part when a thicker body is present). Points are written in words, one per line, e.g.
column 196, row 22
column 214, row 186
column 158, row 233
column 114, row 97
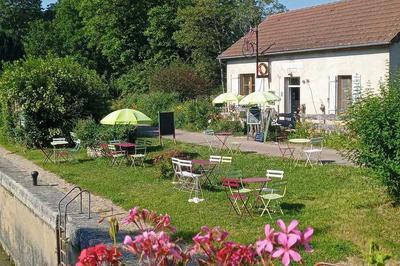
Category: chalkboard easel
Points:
column 166, row 125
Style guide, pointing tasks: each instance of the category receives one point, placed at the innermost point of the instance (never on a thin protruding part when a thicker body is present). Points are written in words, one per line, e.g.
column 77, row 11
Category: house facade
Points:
column 322, row 57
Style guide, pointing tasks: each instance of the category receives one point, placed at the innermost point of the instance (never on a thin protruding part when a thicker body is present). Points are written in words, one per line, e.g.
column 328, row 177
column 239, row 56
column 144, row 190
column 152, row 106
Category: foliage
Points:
column 164, row 160
column 226, row 125
column 195, row 114
column 375, row 256
column 134, row 81
column 208, row 27
column 375, row 126
column 42, row 98
column 180, row 78
column 15, row 16
column 91, row 134
column 150, row 103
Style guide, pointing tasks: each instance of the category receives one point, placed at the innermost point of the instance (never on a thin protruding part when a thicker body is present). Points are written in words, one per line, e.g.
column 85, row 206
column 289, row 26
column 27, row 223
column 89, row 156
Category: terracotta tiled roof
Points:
column 340, row 24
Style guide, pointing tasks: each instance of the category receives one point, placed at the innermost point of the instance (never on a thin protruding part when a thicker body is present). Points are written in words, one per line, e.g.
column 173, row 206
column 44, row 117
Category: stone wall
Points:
column 28, row 217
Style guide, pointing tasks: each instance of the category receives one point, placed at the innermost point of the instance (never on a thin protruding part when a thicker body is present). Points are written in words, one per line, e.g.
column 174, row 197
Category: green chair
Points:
column 278, row 192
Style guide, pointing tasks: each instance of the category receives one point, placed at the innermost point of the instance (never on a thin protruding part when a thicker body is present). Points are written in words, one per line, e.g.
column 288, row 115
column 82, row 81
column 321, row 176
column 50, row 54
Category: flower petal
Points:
column 308, row 233
column 278, row 253
column 294, row 255
column 281, row 224
column 286, row 259
column 293, row 224
column 291, row 241
column 127, row 240
column 267, row 230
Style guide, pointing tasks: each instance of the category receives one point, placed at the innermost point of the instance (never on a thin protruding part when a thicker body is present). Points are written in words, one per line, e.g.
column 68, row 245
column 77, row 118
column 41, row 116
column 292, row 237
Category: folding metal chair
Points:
column 192, row 179
column 237, row 199
column 285, row 149
column 316, row 146
column 109, row 151
column 139, row 156
column 177, row 174
column 274, row 175
column 209, row 138
column 278, row 192
column 47, row 153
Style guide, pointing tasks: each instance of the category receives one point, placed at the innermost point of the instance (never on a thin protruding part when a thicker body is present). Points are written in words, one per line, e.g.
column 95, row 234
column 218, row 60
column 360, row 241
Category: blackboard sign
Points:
column 254, row 116
column 166, row 123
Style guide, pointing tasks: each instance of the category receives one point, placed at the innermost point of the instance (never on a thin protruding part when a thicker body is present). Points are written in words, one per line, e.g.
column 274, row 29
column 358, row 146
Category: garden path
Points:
column 268, row 148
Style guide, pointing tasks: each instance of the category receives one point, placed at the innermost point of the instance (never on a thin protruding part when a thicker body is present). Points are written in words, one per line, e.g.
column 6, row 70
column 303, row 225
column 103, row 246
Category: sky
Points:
column 290, row 4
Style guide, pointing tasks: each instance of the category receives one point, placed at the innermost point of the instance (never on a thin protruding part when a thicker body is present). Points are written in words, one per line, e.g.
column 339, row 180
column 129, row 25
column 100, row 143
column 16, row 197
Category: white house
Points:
column 322, row 55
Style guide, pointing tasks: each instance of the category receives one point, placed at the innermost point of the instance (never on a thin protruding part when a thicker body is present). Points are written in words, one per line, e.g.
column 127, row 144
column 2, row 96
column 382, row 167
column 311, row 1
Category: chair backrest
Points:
column 215, row 159
column 209, row 132
column 278, row 187
column 226, row 159
column 143, row 142
column 111, row 147
column 185, row 165
column 317, row 142
column 175, row 165
column 140, row 149
column 59, row 139
column 115, row 141
column 275, row 174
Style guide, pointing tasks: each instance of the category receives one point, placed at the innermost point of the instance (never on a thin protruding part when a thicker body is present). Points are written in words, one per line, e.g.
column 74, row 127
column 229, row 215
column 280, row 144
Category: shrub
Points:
column 44, row 97
column 150, row 103
column 374, row 122
column 227, row 125
column 180, row 78
column 195, row 114
column 91, row 134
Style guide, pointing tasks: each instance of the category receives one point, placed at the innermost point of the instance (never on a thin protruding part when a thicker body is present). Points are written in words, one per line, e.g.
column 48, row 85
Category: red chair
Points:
column 237, row 199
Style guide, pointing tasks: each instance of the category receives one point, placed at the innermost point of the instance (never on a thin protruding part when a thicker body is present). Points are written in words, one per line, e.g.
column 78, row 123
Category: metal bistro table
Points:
column 58, row 151
column 223, row 137
column 207, row 168
column 256, row 180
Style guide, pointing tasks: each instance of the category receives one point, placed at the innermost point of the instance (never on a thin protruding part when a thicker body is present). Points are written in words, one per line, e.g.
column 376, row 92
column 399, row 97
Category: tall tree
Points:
column 14, row 18
column 210, row 26
column 115, row 28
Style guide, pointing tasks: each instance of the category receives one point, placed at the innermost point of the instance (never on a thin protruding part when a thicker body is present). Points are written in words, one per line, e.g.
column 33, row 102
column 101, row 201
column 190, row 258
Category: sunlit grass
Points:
column 346, row 205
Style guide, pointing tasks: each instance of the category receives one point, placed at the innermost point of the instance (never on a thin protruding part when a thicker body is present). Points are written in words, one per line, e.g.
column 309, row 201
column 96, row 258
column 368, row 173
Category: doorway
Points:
column 292, row 95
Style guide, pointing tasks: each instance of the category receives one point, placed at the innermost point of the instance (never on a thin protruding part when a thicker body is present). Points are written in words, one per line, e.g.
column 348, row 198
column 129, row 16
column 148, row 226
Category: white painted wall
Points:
column 395, row 57
column 371, row 64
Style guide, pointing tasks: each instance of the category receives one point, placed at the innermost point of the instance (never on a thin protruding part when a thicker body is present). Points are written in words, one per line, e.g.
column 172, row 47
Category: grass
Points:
column 346, row 206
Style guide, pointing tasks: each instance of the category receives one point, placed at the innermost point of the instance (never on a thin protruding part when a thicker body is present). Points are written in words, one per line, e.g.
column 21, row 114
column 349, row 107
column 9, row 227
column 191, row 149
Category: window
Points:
column 247, row 84
column 344, row 93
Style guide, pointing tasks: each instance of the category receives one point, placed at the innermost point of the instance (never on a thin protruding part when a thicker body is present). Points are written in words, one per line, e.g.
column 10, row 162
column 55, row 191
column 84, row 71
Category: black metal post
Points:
column 34, row 175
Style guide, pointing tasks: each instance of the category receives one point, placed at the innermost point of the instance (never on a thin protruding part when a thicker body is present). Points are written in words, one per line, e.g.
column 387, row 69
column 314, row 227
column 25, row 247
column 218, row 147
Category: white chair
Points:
column 314, row 152
column 58, row 139
column 273, row 175
column 215, row 158
column 234, row 147
column 139, row 156
column 193, row 180
column 226, row 159
column 210, row 139
column 177, row 173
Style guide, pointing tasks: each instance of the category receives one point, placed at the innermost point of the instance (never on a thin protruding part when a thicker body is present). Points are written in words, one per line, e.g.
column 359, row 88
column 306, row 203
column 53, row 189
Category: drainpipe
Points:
column 221, row 67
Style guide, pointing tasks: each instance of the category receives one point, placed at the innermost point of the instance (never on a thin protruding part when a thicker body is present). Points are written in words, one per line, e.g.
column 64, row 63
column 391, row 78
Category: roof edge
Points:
column 310, row 50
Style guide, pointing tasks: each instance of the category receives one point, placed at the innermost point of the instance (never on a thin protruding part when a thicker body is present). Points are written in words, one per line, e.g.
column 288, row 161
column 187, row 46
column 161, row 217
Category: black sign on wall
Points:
column 166, row 124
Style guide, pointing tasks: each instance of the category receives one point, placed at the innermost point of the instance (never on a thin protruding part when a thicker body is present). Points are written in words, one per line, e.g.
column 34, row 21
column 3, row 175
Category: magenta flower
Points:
column 132, row 217
column 288, row 254
column 306, row 237
column 128, row 240
column 267, row 243
column 291, row 229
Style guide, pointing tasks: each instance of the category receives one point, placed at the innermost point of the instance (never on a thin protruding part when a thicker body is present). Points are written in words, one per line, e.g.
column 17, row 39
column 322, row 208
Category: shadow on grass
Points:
column 292, row 208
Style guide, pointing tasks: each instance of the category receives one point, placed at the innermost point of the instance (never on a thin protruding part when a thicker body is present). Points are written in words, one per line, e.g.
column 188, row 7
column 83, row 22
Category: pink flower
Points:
column 306, row 237
column 291, row 229
column 267, row 243
column 132, row 217
column 127, row 240
column 286, row 251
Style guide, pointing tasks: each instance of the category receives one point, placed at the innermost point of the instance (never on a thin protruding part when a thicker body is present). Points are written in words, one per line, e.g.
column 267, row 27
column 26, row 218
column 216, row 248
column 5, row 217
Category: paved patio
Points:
column 268, row 148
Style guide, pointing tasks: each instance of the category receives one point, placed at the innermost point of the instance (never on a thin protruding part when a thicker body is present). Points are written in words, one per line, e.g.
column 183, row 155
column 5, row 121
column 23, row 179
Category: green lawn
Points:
column 346, row 205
